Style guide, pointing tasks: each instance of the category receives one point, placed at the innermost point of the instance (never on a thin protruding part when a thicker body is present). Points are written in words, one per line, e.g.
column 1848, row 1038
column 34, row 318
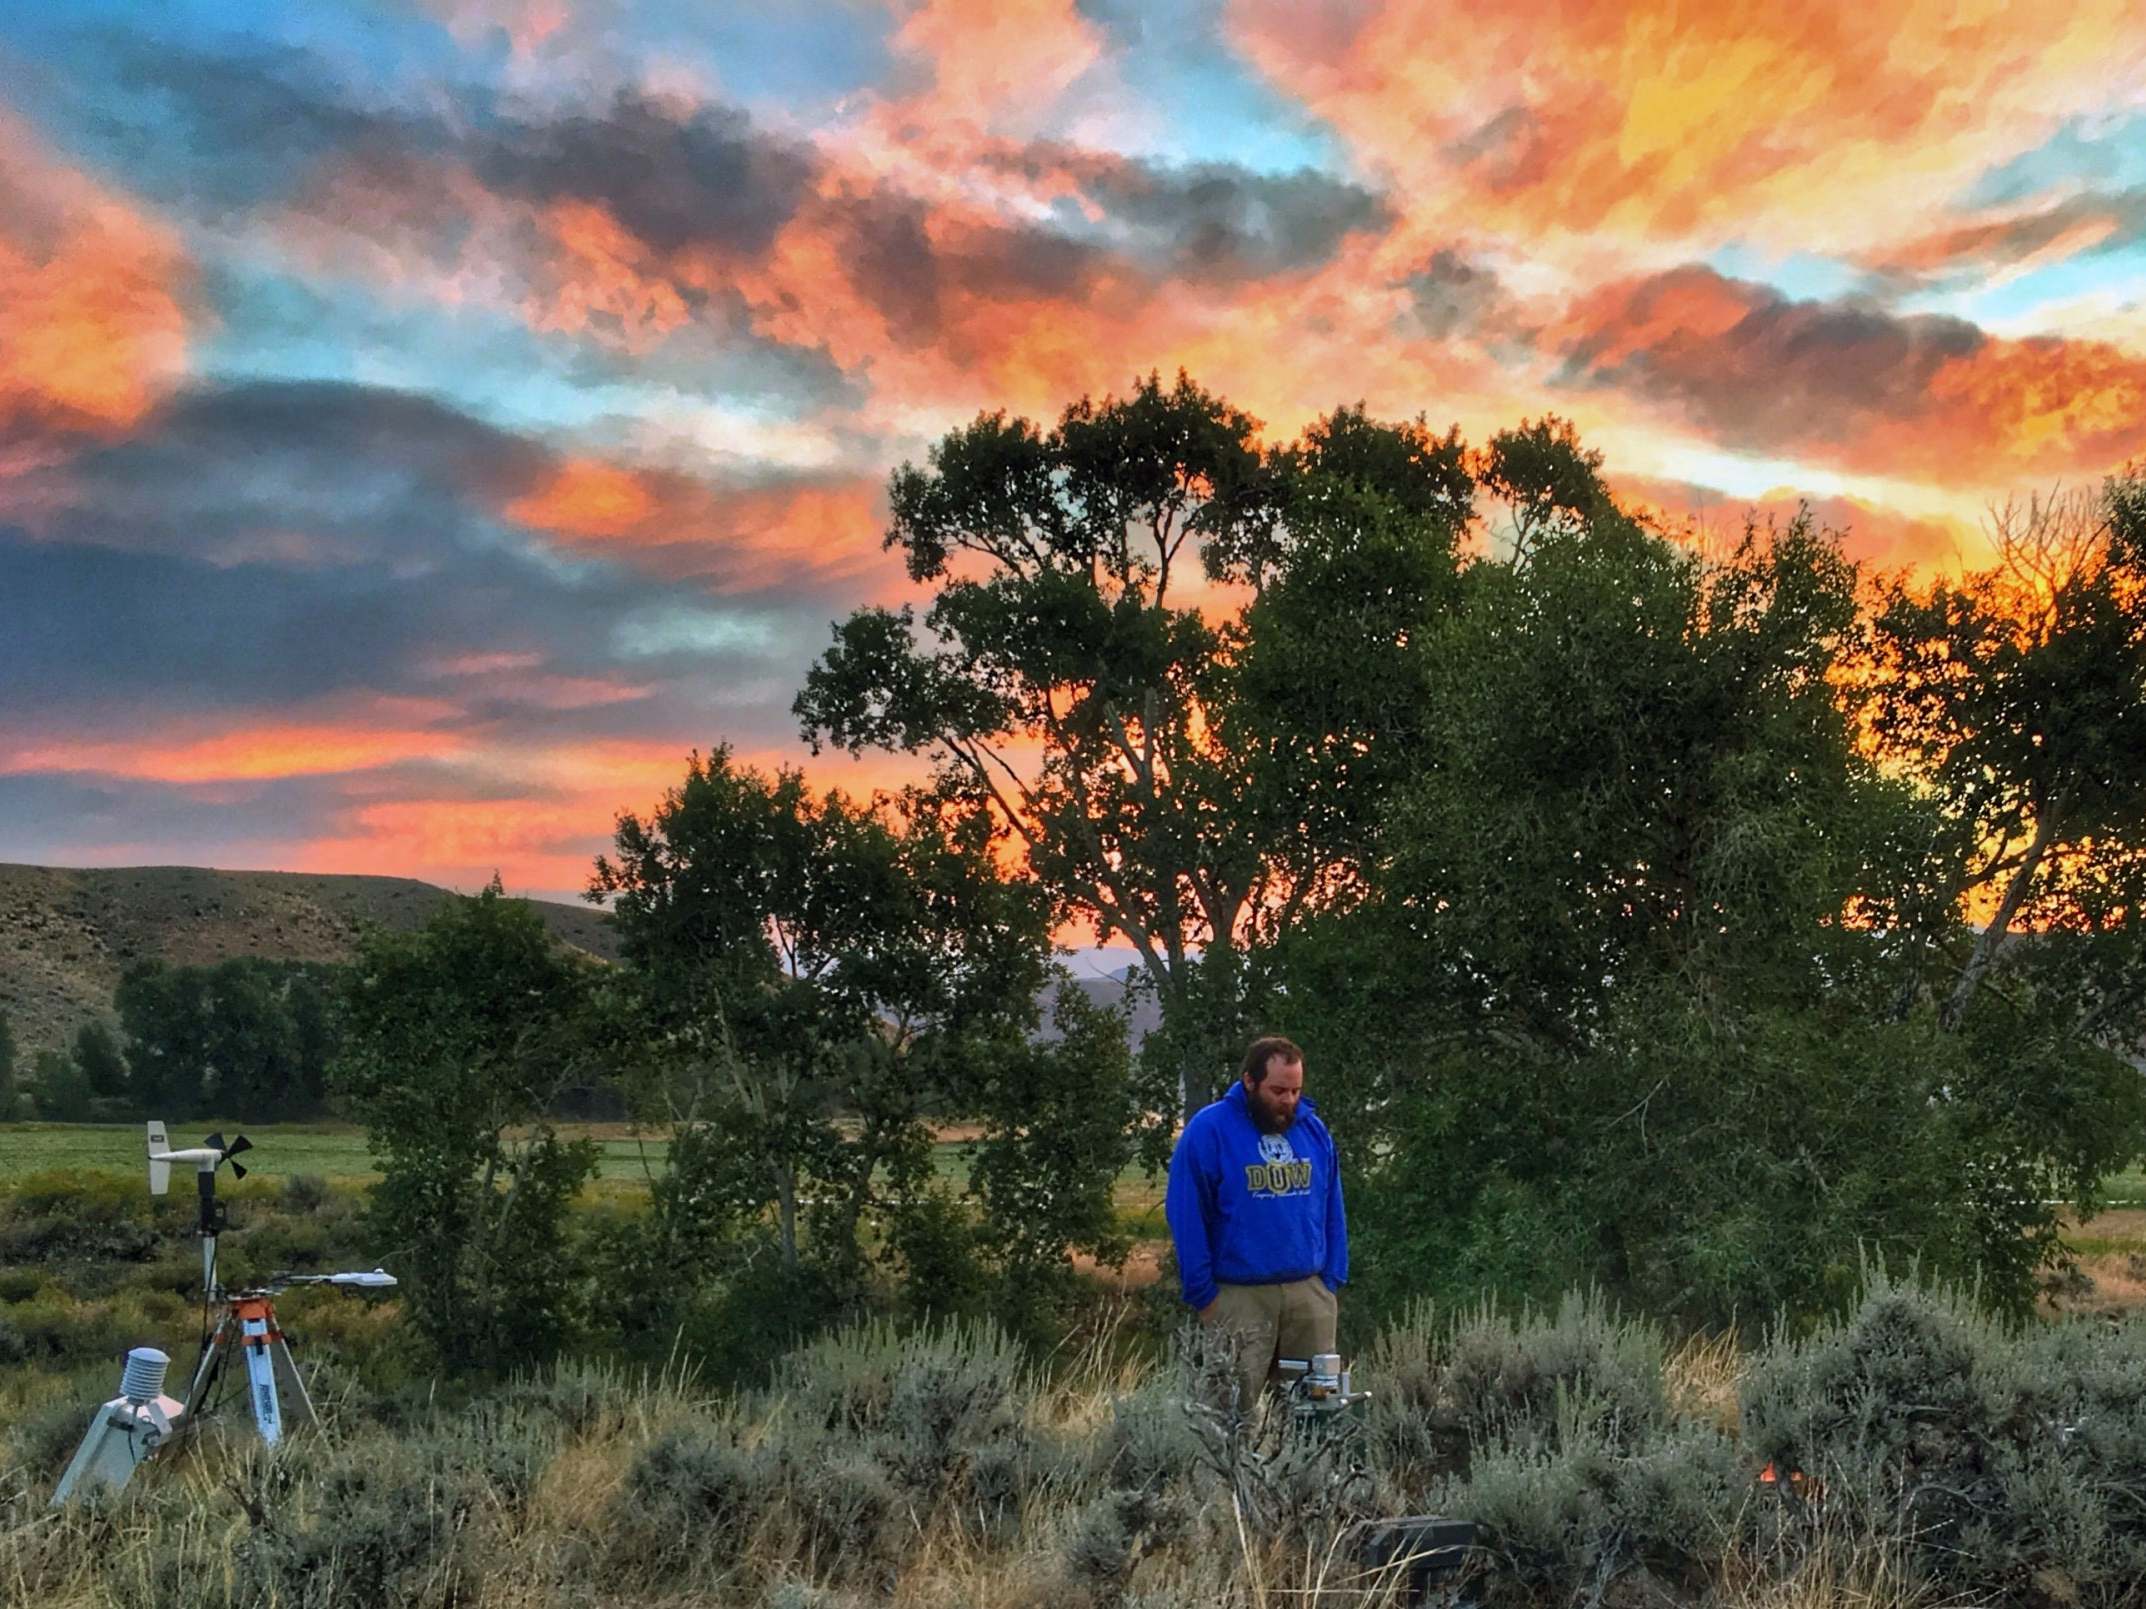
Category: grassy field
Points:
column 337, row 1152
column 328, row 1150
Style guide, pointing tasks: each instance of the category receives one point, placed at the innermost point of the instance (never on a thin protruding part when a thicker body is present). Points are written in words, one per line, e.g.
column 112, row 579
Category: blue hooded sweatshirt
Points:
column 1247, row 1208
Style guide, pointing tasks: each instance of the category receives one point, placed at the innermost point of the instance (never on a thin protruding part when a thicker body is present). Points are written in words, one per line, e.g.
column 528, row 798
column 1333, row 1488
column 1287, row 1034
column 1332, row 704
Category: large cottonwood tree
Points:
column 1159, row 653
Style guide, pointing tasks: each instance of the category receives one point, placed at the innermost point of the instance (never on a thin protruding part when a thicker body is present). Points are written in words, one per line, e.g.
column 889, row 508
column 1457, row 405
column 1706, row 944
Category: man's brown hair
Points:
column 1264, row 1050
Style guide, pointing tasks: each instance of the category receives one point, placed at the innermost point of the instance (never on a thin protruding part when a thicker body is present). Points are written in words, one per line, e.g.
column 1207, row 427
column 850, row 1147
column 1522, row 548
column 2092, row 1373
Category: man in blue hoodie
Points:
column 1254, row 1207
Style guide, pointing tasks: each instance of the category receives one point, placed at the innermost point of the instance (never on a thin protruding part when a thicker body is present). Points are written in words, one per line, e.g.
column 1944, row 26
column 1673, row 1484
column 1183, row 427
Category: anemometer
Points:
column 234, row 1322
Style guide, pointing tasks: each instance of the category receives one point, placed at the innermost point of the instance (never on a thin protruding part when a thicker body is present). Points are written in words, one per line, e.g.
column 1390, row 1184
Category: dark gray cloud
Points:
column 54, row 819
column 345, row 472
column 1205, row 221
column 268, row 543
column 1212, row 221
column 267, row 126
column 910, row 277
column 2094, row 221
column 230, row 131
column 1454, row 296
column 1754, row 368
column 674, row 181
column 285, row 129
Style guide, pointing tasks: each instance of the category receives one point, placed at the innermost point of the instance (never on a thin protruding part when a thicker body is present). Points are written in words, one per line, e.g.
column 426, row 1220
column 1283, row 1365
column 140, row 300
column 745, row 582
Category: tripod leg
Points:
column 294, row 1383
column 214, row 1353
column 257, row 1333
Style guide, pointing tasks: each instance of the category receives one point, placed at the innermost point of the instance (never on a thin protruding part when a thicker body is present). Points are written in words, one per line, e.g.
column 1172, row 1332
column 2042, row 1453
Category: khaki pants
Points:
column 1273, row 1321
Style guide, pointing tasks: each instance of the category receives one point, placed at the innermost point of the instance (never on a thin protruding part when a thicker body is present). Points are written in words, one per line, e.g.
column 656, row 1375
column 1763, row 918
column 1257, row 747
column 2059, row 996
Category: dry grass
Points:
column 1701, row 1378
column 2110, row 1273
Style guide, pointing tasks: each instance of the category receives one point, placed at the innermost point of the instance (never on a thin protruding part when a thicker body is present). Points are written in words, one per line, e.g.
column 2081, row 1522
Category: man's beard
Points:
column 1269, row 1122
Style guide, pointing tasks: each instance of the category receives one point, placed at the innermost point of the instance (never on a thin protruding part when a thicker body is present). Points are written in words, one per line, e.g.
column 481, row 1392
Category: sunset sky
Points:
column 423, row 422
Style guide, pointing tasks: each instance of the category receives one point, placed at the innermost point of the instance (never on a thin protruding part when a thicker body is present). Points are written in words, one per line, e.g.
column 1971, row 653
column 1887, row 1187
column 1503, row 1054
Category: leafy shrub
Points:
column 1113, row 1534
column 694, row 1490
column 1535, row 1379
column 848, row 1504
column 944, row 1380
column 376, row 1527
column 950, row 1403
column 1997, row 1459
column 580, row 1398
column 39, row 1440
column 939, row 1247
column 305, row 1193
column 1149, row 1442
column 745, row 1323
column 60, row 1215
column 794, row 1594
column 1444, row 1388
column 20, row 1284
column 1572, row 1513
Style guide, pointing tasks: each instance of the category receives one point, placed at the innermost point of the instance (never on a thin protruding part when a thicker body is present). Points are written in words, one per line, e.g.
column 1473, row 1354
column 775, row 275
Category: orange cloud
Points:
column 1659, row 121
column 2045, row 403
column 742, row 538
column 1851, row 385
column 588, row 500
column 994, row 61
column 254, row 754
column 528, row 24
column 2014, row 242
column 1870, row 532
column 92, row 323
column 601, row 279
column 556, row 810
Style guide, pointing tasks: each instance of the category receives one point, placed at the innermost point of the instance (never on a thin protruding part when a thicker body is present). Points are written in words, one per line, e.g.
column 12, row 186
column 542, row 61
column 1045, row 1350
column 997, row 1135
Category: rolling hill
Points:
column 66, row 934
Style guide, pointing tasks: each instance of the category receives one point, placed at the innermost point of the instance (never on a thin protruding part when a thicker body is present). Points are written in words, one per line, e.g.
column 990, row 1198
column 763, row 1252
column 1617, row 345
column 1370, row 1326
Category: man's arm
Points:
column 1185, row 1207
column 1336, row 1271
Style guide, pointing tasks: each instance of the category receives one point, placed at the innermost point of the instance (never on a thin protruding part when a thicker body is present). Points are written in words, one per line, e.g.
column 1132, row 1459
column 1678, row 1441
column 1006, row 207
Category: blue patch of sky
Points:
column 1173, row 54
column 2012, row 304
column 274, row 326
column 1800, row 276
column 271, row 325
column 376, row 51
column 2099, row 154
column 110, row 85
column 803, row 55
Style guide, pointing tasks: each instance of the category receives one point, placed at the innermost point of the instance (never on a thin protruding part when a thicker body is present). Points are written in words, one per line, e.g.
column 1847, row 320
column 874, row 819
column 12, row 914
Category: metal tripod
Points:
column 246, row 1326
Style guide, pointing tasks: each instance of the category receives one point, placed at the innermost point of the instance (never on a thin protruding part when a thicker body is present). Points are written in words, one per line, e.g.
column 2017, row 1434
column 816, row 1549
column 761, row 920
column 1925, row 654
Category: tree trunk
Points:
column 786, row 1212
column 1993, row 936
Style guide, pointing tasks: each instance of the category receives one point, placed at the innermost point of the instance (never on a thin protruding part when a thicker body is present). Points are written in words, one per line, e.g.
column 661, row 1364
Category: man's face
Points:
column 1274, row 1098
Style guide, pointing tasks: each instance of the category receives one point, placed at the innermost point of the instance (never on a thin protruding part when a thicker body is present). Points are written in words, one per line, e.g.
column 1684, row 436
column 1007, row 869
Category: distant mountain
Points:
column 1143, row 1014
column 67, row 934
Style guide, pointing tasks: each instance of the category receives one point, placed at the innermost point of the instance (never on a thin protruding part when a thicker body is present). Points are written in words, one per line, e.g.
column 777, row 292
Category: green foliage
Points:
column 1563, row 1520
column 395, row 1529
column 1058, row 681
column 458, row 1037
column 2002, row 1460
column 58, row 1090
column 56, row 1216
column 247, row 1036
column 1642, row 941
column 1061, row 1121
column 820, row 979
column 695, row 1491
column 1113, row 1534
column 741, row 1320
column 99, row 1061
column 1973, row 1461
column 2019, row 692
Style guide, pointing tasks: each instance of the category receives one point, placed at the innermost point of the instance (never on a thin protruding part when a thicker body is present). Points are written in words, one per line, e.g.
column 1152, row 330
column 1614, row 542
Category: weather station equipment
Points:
column 239, row 1334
